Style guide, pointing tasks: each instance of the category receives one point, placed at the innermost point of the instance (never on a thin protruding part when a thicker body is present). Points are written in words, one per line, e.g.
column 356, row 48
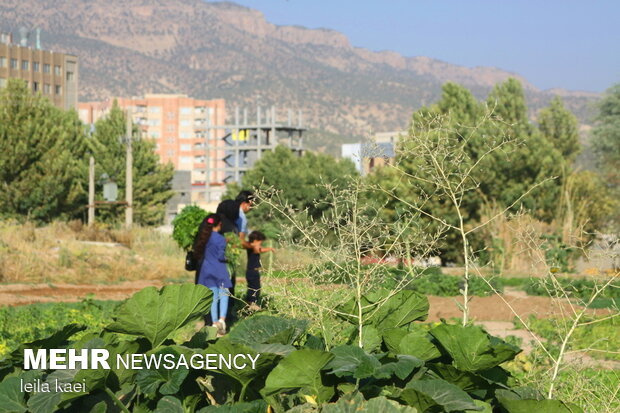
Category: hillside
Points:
column 212, row 50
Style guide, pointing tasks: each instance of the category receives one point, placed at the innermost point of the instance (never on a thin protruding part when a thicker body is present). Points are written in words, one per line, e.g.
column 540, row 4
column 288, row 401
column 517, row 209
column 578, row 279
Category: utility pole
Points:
column 129, row 174
column 91, row 192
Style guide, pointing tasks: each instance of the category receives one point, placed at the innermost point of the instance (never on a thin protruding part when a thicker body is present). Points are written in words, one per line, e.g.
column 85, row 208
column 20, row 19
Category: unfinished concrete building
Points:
column 243, row 142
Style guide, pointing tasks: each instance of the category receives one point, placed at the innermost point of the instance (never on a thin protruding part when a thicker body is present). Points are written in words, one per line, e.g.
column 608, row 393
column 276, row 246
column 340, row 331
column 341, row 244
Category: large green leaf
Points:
column 355, row 362
column 265, row 362
column 401, row 368
column 48, row 401
column 167, row 381
column 473, row 383
column 94, row 378
column 169, row 404
column 486, row 407
column 471, row 348
column 11, row 396
column 415, row 343
column 444, row 394
column 386, row 310
column 352, row 361
column 357, row 404
column 157, row 314
column 265, row 329
column 301, row 370
column 371, row 338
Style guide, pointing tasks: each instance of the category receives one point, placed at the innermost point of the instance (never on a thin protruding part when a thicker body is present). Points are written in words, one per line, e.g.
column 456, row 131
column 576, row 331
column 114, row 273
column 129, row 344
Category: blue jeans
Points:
column 220, row 302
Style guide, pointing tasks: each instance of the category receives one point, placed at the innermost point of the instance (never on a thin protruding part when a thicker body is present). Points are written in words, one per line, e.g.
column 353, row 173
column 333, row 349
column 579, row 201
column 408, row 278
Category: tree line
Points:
column 44, row 156
column 513, row 164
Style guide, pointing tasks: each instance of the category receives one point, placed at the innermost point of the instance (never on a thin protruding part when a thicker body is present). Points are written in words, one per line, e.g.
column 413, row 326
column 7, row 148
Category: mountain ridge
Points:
column 223, row 50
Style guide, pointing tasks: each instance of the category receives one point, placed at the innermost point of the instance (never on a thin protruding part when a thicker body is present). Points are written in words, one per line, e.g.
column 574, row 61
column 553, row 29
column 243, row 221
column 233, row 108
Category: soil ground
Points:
column 492, row 308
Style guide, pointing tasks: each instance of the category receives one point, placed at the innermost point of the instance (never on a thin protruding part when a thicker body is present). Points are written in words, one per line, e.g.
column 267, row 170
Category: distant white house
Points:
column 380, row 150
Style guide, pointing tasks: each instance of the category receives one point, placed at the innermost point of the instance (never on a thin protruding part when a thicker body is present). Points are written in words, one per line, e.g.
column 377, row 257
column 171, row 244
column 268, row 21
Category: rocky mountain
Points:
column 222, row 50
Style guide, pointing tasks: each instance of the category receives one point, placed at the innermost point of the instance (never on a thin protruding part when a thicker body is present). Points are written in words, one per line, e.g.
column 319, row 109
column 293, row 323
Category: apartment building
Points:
column 54, row 75
column 177, row 124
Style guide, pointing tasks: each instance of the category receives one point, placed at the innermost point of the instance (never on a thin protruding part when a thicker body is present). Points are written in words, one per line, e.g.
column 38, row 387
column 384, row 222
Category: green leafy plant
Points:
column 186, row 225
column 233, row 251
column 447, row 368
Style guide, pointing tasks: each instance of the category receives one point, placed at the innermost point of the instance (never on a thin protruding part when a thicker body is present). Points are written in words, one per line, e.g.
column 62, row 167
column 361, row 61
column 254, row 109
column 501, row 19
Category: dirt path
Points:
column 493, row 308
column 22, row 294
column 490, row 308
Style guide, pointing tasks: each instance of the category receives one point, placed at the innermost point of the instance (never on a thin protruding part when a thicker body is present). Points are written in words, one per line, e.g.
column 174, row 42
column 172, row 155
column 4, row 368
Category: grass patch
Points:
column 598, row 336
column 24, row 324
column 72, row 253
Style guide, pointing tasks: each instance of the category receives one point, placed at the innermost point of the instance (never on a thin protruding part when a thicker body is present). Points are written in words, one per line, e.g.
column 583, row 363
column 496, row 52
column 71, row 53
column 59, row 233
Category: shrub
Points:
column 186, row 225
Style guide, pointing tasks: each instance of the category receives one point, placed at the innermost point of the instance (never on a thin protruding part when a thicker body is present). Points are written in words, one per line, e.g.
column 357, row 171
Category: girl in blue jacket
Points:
column 210, row 248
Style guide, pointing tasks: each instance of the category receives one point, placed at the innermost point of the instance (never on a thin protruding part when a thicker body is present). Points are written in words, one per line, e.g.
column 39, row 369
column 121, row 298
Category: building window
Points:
column 25, row 64
column 36, row 66
column 154, row 134
column 153, row 122
column 185, row 122
column 170, row 152
column 35, row 86
column 186, row 147
column 171, row 115
column 154, row 109
column 2, row 82
column 57, row 71
column 13, row 63
column 186, row 159
column 46, row 67
column 58, row 89
column 47, row 89
column 170, row 140
column 186, row 111
column 2, row 61
column 170, row 128
column 69, row 76
column 186, row 135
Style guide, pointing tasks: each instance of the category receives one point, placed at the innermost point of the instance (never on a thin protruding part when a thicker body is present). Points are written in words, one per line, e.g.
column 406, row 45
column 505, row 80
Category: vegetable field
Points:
column 404, row 365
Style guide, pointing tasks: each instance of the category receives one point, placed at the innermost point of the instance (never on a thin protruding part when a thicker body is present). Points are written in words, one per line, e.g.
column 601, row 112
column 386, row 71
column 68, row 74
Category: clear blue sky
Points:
column 552, row 43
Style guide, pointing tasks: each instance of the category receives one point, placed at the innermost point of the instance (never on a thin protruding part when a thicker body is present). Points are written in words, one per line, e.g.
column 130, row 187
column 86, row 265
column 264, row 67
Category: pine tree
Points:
column 560, row 127
column 41, row 152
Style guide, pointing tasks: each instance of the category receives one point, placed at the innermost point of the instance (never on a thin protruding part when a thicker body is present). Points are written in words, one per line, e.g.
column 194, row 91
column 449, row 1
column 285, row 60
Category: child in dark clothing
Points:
column 252, row 274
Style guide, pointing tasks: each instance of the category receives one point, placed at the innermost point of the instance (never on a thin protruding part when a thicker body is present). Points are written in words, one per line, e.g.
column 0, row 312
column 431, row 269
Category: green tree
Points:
column 530, row 158
column 560, row 127
column 41, row 152
column 151, row 179
column 494, row 145
column 303, row 182
column 606, row 141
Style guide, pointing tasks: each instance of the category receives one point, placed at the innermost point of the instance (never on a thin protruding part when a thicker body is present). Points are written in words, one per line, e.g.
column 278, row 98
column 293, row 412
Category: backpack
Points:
column 190, row 261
